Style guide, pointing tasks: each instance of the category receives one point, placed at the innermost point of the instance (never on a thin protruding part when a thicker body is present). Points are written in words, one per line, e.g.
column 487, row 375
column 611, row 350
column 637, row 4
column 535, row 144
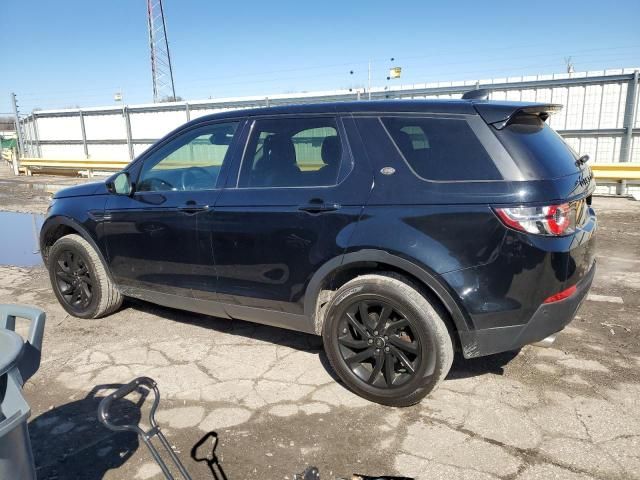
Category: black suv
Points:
column 400, row 231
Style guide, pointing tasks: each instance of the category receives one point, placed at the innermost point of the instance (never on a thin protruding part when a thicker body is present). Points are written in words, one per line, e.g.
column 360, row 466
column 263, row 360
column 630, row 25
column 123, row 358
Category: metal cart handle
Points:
column 154, row 431
column 119, row 394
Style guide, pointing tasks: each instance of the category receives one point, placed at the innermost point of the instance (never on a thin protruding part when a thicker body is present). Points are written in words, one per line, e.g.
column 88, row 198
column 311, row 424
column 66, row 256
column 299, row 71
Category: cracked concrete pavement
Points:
column 571, row 411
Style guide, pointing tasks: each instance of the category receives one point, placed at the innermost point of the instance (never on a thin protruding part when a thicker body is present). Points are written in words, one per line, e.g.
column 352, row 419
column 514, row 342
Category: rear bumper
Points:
column 547, row 320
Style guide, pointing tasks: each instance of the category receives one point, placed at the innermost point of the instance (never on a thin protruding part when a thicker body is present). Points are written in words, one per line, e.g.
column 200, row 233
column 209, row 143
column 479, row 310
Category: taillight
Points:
column 553, row 220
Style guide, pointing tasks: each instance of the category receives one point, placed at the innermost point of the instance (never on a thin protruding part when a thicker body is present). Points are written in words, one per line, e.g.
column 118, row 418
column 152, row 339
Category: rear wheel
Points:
column 385, row 340
column 79, row 279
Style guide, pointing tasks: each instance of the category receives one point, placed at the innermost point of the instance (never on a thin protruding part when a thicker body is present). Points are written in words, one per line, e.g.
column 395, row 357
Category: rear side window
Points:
column 539, row 151
column 441, row 149
column 292, row 152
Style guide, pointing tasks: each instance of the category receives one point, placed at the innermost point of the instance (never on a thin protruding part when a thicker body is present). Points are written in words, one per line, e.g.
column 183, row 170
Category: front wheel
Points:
column 385, row 340
column 80, row 280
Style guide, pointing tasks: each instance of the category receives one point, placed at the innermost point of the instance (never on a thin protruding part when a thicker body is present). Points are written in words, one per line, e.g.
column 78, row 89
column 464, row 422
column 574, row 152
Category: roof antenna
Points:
column 477, row 94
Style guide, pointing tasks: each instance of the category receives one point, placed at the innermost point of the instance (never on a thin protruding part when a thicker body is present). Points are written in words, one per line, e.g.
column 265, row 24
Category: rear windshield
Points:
column 441, row 149
column 537, row 149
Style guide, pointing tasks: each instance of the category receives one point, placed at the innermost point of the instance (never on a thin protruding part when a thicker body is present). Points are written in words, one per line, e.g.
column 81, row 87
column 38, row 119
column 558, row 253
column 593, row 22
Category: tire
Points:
column 79, row 279
column 366, row 357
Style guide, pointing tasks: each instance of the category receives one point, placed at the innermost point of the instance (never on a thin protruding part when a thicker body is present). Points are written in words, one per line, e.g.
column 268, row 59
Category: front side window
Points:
column 292, row 152
column 441, row 149
column 190, row 162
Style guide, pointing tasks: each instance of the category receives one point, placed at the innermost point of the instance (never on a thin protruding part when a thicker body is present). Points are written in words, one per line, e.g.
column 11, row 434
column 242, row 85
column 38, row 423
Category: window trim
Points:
column 137, row 165
column 343, row 174
column 503, row 162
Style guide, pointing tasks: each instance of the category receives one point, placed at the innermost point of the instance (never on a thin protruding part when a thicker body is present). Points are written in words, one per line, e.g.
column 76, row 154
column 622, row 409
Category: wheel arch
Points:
column 341, row 269
column 60, row 226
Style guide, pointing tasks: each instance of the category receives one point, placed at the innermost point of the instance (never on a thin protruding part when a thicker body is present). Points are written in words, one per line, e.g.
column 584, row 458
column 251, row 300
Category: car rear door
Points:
column 291, row 204
column 151, row 235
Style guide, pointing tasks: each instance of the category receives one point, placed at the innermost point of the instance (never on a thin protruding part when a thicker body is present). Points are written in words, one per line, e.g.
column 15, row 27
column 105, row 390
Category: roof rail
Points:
column 477, row 94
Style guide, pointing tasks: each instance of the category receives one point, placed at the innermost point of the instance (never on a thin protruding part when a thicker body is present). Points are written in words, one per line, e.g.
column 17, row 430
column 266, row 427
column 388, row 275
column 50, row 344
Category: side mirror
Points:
column 120, row 184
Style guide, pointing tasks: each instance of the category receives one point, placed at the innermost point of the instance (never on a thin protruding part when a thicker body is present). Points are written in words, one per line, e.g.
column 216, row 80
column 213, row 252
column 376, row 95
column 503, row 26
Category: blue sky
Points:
column 79, row 52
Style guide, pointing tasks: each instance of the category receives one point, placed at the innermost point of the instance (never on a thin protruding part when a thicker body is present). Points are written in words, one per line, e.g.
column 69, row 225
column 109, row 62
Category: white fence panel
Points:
column 592, row 120
column 71, row 152
column 109, row 152
column 59, row 128
column 105, row 127
column 155, row 124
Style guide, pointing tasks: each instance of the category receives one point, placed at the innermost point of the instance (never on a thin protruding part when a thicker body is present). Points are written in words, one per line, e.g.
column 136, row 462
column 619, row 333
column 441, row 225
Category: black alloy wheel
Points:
column 80, row 280
column 74, row 279
column 385, row 339
column 378, row 344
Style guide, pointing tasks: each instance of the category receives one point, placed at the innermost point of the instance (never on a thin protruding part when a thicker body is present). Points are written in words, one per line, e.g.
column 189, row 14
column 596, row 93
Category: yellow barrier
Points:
column 616, row 171
column 31, row 164
column 601, row 171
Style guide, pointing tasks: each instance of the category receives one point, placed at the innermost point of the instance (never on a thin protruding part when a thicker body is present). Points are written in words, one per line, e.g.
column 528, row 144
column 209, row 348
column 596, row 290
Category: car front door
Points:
column 290, row 205
column 151, row 234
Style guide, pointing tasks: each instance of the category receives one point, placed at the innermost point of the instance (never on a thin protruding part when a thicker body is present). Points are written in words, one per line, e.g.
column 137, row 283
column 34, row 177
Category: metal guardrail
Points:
column 75, row 165
column 616, row 171
column 31, row 165
column 9, row 156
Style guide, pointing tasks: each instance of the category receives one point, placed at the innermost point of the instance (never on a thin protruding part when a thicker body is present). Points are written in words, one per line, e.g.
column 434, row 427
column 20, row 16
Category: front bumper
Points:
column 548, row 319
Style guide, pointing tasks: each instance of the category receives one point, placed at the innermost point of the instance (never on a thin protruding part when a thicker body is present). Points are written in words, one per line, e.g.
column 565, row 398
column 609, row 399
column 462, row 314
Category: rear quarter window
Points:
column 537, row 149
column 441, row 149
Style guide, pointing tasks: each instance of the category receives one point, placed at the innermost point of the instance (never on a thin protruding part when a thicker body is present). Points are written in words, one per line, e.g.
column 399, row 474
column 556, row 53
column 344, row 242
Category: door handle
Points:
column 314, row 208
column 190, row 209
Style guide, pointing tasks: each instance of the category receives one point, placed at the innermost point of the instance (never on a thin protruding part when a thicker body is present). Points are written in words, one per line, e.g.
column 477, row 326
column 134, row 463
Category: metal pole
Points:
column 127, row 122
column 584, row 102
column 84, row 135
column 36, row 135
column 187, row 111
column 369, row 75
column 602, row 88
column 26, row 137
column 32, row 142
column 18, row 126
column 629, row 118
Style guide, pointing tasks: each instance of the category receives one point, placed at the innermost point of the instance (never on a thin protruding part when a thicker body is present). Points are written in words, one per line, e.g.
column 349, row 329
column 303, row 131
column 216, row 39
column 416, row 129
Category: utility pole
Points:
column 161, row 70
column 16, row 113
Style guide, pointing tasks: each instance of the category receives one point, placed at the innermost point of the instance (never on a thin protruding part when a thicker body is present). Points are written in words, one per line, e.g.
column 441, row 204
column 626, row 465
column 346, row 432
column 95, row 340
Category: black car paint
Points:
column 252, row 254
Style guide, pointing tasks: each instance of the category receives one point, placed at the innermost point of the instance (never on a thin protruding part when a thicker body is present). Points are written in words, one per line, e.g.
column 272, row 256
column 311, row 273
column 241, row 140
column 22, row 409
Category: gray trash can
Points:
column 19, row 360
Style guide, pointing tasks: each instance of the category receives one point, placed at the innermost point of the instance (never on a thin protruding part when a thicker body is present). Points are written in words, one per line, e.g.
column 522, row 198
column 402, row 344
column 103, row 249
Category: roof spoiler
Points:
column 502, row 114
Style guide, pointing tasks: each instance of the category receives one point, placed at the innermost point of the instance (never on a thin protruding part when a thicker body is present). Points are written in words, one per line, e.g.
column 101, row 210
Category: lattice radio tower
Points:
column 163, row 88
